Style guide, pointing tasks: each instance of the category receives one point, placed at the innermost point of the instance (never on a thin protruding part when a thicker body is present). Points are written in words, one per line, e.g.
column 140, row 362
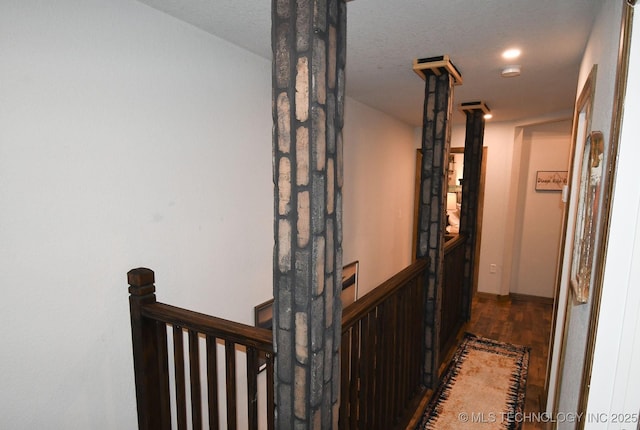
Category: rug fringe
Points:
column 517, row 380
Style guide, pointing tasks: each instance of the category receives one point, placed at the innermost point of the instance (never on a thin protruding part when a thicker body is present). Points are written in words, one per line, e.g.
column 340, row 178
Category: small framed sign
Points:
column 551, row 180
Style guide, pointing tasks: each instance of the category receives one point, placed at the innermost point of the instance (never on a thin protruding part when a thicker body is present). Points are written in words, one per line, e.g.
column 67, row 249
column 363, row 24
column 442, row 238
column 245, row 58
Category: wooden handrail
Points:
column 363, row 305
column 382, row 352
column 150, row 323
column 257, row 337
column 457, row 241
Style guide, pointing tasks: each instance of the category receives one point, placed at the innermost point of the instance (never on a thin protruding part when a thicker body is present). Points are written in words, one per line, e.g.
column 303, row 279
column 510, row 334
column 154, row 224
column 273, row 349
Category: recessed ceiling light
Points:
column 510, row 54
column 488, row 116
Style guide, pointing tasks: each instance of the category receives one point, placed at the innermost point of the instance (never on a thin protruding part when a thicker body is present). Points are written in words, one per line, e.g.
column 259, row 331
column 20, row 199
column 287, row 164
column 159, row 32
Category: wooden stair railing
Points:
column 451, row 315
column 382, row 358
column 382, row 352
column 150, row 322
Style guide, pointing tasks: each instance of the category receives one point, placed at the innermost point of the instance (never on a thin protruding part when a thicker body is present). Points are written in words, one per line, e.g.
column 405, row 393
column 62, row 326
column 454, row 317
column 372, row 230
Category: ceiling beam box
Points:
column 471, row 106
column 437, row 65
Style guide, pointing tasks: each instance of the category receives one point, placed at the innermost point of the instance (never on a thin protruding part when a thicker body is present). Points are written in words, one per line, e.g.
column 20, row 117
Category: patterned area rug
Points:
column 483, row 387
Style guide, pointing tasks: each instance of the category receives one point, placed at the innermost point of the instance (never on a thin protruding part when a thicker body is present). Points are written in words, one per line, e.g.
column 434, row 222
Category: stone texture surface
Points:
column 302, row 89
column 284, row 186
column 432, row 220
column 474, row 140
column 309, row 46
column 284, row 122
column 302, row 156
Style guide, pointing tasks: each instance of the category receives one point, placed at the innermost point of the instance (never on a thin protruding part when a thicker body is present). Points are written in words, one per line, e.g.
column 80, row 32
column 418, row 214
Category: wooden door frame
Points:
column 416, row 205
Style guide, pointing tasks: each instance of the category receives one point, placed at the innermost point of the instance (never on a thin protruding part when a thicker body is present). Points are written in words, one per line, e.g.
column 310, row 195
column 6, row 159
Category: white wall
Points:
column 379, row 175
column 498, row 139
column 601, row 49
column 614, row 385
column 500, row 231
column 538, row 225
column 126, row 139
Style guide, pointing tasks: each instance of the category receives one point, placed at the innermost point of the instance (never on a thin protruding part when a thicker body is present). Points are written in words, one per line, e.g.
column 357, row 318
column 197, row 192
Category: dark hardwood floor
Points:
column 523, row 321
column 519, row 321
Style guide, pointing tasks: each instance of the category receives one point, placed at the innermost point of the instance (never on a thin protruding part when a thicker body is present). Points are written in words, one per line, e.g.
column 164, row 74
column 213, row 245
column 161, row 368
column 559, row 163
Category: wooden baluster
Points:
column 345, row 378
column 212, row 383
column 149, row 377
column 252, row 387
column 178, row 365
column 403, row 352
column 194, row 373
column 271, row 405
column 370, row 349
column 354, row 410
column 230, row 356
column 387, row 357
column 163, row 368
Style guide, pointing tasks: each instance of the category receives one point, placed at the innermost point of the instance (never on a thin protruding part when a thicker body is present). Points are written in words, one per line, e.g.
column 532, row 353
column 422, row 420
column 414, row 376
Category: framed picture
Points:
column 349, row 283
column 551, row 180
column 263, row 315
column 587, row 215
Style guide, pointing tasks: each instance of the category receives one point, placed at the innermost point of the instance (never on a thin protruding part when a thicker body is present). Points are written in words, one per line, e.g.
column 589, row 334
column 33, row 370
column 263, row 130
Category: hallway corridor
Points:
column 519, row 321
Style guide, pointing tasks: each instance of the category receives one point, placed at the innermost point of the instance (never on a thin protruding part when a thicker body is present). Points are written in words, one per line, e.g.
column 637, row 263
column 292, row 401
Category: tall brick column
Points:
column 440, row 75
column 309, row 53
column 474, row 138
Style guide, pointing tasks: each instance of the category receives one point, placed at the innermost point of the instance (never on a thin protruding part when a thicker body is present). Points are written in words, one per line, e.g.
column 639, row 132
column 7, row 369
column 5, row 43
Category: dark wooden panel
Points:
column 223, row 329
column 194, row 380
column 383, row 334
column 232, row 396
column 452, row 311
column 212, row 384
column 252, row 387
column 163, row 375
column 354, row 360
column 178, row 365
column 149, row 322
column 271, row 408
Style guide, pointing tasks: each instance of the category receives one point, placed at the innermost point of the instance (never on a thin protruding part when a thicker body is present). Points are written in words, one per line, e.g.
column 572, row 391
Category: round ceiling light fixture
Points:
column 510, row 71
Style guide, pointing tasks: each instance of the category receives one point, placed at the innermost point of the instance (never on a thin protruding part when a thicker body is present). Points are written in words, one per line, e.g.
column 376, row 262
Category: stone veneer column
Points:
column 309, row 53
column 440, row 76
column 474, row 139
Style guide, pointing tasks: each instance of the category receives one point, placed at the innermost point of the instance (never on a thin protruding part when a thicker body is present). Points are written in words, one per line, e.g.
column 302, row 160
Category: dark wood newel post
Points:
column 152, row 409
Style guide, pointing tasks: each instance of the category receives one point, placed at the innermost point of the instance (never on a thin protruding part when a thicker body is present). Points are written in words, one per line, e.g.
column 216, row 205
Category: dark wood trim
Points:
column 361, row 307
column 497, row 297
column 529, row 298
column 381, row 356
column 150, row 322
column 416, row 204
column 608, row 185
column 221, row 328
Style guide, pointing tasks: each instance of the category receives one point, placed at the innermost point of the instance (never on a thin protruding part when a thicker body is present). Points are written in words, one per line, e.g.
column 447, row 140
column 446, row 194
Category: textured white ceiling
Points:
column 385, row 36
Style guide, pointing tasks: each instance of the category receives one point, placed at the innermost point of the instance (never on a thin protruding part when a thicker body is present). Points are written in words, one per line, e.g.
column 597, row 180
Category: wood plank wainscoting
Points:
column 452, row 309
column 382, row 353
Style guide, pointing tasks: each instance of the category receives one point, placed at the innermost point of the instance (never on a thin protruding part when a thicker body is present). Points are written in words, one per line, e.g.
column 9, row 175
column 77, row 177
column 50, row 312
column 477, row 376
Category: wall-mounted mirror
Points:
column 586, row 168
column 454, row 189
column 263, row 313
